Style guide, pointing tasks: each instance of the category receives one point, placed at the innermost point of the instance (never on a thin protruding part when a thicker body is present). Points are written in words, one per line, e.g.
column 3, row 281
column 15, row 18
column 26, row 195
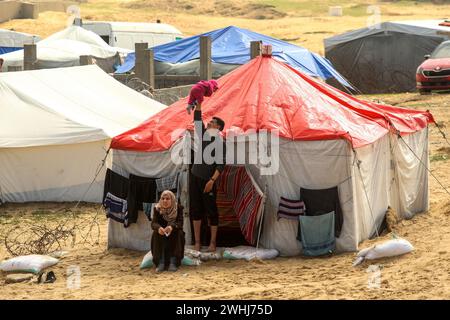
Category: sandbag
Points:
column 33, row 263
column 189, row 261
column 202, row 255
column 248, row 253
column 390, row 248
column 147, row 261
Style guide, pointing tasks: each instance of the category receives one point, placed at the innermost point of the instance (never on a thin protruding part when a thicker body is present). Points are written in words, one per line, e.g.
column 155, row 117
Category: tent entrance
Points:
column 240, row 203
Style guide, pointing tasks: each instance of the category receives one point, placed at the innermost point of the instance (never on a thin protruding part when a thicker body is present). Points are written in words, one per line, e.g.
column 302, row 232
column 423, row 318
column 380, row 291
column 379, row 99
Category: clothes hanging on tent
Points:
column 290, row 209
column 116, row 208
column 115, row 192
column 321, row 201
column 141, row 190
column 167, row 183
column 317, row 234
column 148, row 209
column 115, row 184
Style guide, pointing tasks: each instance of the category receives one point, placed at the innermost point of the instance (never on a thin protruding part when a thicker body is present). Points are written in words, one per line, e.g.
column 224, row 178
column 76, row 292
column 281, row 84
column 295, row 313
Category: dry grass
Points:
column 302, row 22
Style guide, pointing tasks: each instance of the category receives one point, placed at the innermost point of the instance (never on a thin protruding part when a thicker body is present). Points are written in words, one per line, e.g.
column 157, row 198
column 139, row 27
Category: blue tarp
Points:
column 231, row 45
column 8, row 49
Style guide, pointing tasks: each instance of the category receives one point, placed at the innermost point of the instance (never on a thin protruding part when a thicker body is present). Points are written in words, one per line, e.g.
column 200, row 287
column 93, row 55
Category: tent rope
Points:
column 33, row 238
column 262, row 219
column 99, row 169
column 442, row 133
column 423, row 164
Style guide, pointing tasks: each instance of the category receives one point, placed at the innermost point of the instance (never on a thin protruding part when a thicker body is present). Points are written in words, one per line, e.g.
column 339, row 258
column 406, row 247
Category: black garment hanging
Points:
column 118, row 186
column 141, row 190
column 321, row 201
column 115, row 184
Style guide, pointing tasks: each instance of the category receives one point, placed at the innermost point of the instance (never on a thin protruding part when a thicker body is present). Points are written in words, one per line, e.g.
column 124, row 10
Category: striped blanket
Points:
column 238, row 190
column 290, row 209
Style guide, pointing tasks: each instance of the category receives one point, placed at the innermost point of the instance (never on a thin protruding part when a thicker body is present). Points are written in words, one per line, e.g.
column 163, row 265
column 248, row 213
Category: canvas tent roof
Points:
column 416, row 27
column 67, row 105
column 122, row 26
column 268, row 94
column 231, row 45
column 13, row 40
column 64, row 48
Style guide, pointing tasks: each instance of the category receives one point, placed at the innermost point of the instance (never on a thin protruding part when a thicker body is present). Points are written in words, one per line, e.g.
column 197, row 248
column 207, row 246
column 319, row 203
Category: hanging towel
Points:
column 116, row 208
column 290, row 209
column 317, row 234
column 115, row 192
column 322, row 201
column 115, row 204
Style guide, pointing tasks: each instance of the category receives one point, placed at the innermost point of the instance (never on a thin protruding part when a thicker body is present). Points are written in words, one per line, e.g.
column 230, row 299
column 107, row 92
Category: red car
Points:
column 434, row 73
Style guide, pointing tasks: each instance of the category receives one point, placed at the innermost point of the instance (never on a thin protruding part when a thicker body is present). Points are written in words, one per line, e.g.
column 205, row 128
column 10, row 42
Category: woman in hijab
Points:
column 168, row 235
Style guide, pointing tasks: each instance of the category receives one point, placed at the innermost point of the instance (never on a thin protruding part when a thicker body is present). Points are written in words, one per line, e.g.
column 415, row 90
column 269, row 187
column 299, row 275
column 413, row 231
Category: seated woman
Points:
column 168, row 235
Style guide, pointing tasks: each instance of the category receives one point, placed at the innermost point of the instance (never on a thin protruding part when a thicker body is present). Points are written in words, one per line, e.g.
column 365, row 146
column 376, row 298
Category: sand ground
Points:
column 115, row 274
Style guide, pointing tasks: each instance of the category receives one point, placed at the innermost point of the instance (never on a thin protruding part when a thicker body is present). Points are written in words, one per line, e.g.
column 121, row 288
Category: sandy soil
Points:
column 115, row 274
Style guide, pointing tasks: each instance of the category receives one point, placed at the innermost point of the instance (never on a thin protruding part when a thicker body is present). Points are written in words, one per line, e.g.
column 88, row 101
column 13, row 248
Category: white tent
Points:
column 55, row 128
column 327, row 139
column 64, row 48
column 12, row 40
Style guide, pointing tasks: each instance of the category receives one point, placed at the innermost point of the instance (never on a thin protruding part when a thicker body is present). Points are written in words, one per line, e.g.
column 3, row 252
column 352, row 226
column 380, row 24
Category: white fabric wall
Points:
column 313, row 165
column 52, row 173
column 410, row 176
column 372, row 188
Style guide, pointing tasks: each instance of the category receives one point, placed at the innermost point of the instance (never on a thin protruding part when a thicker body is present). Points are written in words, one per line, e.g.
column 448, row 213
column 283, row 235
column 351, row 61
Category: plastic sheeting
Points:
column 64, row 48
column 385, row 58
column 266, row 94
column 231, row 45
column 287, row 103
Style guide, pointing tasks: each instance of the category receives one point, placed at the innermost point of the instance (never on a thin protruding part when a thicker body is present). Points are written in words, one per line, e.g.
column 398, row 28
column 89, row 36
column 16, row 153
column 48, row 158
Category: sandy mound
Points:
column 225, row 8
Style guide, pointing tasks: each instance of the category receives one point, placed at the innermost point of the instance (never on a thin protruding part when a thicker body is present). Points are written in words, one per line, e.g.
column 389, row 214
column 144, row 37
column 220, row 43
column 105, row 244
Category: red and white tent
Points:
column 326, row 138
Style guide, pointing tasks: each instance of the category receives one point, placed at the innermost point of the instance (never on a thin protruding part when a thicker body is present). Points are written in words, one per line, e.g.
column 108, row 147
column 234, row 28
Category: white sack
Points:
column 28, row 264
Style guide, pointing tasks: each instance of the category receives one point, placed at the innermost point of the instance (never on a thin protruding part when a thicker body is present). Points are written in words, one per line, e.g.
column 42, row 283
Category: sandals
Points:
column 49, row 277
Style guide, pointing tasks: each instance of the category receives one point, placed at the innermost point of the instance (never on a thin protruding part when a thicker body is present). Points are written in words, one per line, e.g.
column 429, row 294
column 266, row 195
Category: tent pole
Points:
column 262, row 217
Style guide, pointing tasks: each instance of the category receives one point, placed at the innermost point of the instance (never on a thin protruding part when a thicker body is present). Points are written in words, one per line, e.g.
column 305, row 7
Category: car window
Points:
column 442, row 51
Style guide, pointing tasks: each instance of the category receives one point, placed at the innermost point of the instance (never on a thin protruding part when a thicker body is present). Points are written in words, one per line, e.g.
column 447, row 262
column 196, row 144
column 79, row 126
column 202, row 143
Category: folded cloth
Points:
column 117, row 216
column 290, row 209
column 115, row 204
column 317, row 234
